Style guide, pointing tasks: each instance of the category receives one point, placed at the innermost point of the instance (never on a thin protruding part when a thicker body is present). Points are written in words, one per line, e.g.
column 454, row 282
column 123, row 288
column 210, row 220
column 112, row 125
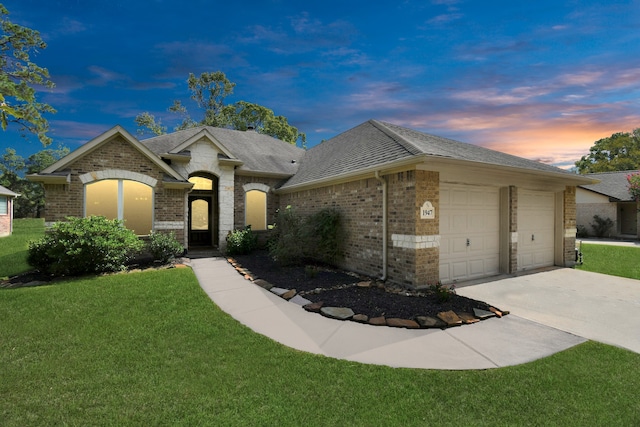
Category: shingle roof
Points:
column 376, row 143
column 258, row 152
column 4, row 191
column 612, row 184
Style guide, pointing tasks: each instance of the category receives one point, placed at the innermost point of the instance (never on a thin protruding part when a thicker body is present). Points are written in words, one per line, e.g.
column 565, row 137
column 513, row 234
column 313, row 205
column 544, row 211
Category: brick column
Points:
column 513, row 229
column 569, row 226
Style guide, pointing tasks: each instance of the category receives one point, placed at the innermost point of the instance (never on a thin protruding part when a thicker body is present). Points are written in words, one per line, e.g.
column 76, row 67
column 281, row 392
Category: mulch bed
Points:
column 338, row 288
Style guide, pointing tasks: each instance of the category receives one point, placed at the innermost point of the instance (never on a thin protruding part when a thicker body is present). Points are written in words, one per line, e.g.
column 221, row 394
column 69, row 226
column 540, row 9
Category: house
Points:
column 609, row 198
column 6, row 211
column 417, row 208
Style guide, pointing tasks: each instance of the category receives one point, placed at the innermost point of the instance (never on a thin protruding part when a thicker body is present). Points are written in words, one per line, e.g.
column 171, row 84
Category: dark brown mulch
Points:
column 392, row 301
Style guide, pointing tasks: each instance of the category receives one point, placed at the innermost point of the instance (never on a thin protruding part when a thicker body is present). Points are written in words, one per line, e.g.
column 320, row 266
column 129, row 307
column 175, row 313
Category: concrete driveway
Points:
column 591, row 305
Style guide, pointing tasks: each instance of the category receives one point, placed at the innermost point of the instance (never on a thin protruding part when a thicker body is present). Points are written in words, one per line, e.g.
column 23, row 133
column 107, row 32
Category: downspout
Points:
column 384, row 224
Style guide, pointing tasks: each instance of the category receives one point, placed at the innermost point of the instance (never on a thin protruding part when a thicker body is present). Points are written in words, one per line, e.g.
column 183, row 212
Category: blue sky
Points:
column 542, row 79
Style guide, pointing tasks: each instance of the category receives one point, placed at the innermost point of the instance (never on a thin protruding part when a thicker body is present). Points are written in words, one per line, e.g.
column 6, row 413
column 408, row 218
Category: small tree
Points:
column 634, row 185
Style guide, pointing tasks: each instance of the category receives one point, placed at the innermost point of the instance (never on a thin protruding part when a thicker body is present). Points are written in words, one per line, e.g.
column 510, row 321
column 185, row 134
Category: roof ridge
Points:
column 404, row 142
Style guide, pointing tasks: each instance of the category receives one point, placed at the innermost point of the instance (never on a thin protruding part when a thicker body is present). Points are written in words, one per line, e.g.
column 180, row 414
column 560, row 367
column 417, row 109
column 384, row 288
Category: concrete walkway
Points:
column 488, row 344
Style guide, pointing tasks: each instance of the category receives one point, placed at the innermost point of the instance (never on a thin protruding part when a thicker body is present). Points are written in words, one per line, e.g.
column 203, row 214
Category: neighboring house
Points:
column 417, row 208
column 609, row 198
column 6, row 211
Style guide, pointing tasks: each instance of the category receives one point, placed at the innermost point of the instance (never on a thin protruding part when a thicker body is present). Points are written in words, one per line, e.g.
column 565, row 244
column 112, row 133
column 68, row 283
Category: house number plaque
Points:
column 427, row 211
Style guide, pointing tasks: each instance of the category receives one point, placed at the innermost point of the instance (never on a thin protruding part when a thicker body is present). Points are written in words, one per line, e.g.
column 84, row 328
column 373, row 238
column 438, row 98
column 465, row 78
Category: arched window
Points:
column 122, row 199
column 256, row 209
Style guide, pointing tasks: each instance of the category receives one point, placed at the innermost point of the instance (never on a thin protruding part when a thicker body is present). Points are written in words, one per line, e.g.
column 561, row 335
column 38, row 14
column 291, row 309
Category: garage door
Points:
column 536, row 225
column 469, row 232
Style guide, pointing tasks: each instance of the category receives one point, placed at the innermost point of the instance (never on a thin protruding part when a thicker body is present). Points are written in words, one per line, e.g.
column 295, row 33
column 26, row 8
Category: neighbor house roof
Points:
column 257, row 153
column 4, row 191
column 612, row 184
column 379, row 144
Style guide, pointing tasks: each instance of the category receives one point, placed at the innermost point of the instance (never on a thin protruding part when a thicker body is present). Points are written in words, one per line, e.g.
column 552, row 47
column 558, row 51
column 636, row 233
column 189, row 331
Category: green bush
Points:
column 84, row 245
column 240, row 242
column 601, row 226
column 164, row 247
column 296, row 239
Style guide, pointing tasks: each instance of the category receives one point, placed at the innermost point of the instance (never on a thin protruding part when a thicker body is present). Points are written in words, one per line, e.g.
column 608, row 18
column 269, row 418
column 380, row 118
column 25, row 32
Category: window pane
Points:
column 200, row 215
column 4, row 205
column 138, row 207
column 201, row 183
column 256, row 209
column 101, row 198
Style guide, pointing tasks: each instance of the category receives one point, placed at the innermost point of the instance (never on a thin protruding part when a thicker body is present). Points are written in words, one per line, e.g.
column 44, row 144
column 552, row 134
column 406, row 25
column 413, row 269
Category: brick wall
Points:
column 413, row 243
column 116, row 154
column 360, row 205
column 273, row 200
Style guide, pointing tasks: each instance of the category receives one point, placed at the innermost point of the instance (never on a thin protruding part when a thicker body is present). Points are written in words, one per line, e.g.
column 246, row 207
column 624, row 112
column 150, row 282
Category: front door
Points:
column 200, row 221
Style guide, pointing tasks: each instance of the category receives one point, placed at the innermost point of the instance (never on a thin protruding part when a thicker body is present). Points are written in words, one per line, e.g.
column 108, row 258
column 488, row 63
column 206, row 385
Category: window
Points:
column 256, row 209
column 4, row 205
column 122, row 199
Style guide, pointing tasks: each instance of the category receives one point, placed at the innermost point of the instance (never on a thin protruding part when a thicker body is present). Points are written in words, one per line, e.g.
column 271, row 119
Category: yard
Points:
column 150, row 348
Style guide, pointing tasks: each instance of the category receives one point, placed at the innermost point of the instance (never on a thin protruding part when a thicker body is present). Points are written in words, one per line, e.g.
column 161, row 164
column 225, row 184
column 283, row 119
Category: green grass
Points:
column 623, row 261
column 13, row 248
column 152, row 349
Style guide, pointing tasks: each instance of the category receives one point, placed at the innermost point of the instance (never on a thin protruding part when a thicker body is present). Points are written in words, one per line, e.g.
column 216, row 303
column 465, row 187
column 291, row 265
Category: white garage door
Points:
column 469, row 232
column 536, row 225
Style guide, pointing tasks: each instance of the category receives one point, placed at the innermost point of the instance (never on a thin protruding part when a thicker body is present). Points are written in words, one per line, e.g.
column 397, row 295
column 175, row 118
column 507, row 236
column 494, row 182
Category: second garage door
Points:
column 536, row 224
column 469, row 232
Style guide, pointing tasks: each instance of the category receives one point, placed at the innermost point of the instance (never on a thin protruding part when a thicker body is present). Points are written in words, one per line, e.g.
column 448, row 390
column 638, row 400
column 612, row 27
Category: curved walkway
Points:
column 492, row 343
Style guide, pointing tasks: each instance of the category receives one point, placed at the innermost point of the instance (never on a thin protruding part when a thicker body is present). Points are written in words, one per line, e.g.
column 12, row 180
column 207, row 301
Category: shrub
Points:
column 84, row 245
column 240, row 242
column 164, row 247
column 318, row 237
column 581, row 231
column 602, row 226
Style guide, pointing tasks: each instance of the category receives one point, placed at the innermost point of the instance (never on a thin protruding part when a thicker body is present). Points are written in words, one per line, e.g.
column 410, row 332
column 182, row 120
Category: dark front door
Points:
column 200, row 221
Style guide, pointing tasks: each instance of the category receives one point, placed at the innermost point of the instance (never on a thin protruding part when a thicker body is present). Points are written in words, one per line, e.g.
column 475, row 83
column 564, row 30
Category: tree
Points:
column 12, row 169
column 19, row 77
column 209, row 92
column 618, row 152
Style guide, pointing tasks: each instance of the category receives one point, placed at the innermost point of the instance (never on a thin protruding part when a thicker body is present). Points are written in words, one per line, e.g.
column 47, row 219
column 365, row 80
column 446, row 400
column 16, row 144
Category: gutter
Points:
column 384, row 224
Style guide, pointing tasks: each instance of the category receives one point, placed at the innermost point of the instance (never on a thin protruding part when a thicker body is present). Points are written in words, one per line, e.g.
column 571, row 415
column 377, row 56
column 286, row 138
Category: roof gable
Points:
column 375, row 144
column 4, row 191
column 102, row 139
column 612, row 184
column 258, row 153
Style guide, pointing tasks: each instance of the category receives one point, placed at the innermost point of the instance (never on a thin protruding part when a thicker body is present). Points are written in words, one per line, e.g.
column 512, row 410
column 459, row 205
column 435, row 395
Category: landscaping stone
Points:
column 299, row 300
column 340, row 313
column 450, row 318
column 402, row 323
column 430, row 322
column 366, row 284
column 313, row 307
column 278, row 291
column 263, row 284
column 362, row 318
column 467, row 318
column 378, row 321
column 483, row 314
column 495, row 311
column 289, row 294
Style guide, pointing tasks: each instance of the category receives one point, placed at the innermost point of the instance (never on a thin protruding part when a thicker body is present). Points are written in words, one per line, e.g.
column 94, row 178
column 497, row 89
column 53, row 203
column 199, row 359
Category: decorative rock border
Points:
column 444, row 319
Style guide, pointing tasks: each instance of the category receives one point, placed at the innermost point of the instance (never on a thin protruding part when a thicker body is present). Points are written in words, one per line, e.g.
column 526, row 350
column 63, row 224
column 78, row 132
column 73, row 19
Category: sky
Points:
column 542, row 80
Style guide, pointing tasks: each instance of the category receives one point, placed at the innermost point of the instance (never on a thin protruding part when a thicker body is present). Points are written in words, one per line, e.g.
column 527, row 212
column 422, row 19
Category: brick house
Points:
column 417, row 208
column 609, row 198
column 6, row 211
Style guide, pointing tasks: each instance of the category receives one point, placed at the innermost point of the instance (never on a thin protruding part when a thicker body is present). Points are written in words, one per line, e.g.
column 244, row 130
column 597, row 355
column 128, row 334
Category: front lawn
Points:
column 13, row 248
column 623, row 261
column 151, row 348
